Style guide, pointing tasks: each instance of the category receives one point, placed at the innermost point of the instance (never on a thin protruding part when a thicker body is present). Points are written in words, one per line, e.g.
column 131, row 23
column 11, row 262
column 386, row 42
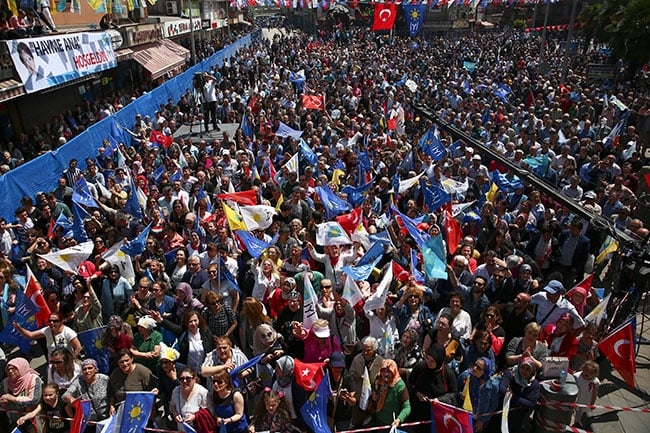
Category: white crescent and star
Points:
column 617, row 346
column 448, row 417
column 385, row 14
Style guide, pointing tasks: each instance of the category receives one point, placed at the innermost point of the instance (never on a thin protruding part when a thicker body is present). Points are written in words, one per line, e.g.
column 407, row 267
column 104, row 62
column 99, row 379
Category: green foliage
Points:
column 519, row 24
column 624, row 25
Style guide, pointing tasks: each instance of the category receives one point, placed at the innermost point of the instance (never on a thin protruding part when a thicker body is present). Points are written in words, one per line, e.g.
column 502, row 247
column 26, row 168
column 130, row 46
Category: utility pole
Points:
column 565, row 59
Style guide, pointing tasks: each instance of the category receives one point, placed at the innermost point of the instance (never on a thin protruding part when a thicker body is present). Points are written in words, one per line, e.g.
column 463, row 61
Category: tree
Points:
column 624, row 25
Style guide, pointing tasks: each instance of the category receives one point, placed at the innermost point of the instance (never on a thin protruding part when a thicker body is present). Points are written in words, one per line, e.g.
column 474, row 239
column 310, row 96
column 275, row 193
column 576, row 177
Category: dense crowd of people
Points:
column 180, row 325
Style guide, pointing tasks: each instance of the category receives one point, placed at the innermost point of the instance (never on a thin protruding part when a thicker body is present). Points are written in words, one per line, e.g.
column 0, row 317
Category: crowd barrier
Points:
column 544, row 402
column 42, row 173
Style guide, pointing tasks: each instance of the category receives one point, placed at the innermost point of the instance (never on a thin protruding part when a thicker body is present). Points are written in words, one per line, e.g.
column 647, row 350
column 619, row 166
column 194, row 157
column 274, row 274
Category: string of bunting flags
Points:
column 327, row 4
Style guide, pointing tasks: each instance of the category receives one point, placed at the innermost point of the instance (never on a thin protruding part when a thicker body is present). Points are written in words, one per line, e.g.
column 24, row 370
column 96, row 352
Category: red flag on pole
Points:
column 350, row 221
column 451, row 419
column 81, row 415
column 618, row 347
column 308, row 375
column 248, row 197
column 313, row 102
column 585, row 284
column 453, row 231
column 385, row 15
column 34, row 292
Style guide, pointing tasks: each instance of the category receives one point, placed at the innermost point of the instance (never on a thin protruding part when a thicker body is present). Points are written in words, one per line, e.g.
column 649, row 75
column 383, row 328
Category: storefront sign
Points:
column 179, row 27
column 143, row 34
column 48, row 61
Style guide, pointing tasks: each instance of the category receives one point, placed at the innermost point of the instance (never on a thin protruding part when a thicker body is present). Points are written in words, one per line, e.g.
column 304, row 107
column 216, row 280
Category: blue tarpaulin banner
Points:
column 41, row 174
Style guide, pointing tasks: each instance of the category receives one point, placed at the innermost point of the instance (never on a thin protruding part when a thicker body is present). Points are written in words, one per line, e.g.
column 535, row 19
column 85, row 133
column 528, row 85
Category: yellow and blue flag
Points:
column 25, row 316
column 333, row 204
column 314, row 411
column 91, row 341
column 137, row 408
column 138, row 244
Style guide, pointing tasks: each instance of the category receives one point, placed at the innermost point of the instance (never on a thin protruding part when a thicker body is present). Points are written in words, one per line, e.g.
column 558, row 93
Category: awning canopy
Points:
column 160, row 57
column 10, row 89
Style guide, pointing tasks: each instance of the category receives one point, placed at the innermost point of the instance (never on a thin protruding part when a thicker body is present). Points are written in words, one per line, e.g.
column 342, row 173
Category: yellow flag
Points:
column 336, row 174
column 280, row 201
column 467, row 401
column 11, row 4
column 609, row 246
column 235, row 221
column 492, row 193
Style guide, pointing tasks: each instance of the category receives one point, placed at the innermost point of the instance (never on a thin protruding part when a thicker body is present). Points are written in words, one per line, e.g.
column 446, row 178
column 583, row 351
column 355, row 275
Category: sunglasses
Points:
column 490, row 315
column 219, row 382
column 185, row 378
column 55, row 321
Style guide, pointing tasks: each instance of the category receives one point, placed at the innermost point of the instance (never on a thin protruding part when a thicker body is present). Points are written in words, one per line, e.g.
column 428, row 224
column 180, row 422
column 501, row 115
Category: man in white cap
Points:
column 549, row 304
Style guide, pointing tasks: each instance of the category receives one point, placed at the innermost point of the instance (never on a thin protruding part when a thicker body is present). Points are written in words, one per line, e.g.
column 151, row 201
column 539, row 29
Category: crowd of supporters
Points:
column 179, row 326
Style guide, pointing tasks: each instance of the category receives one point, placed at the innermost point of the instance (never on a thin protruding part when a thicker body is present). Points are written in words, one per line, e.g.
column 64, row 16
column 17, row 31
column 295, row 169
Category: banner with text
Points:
column 51, row 60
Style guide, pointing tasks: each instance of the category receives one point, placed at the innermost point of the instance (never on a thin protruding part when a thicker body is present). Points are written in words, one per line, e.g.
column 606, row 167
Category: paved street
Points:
column 614, row 391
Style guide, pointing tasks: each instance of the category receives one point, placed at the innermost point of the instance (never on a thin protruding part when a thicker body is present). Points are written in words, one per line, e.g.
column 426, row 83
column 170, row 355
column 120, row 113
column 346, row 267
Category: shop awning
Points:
column 123, row 54
column 160, row 57
column 10, row 89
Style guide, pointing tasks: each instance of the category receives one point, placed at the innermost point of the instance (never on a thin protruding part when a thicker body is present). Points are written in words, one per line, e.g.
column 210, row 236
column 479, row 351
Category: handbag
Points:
column 252, row 388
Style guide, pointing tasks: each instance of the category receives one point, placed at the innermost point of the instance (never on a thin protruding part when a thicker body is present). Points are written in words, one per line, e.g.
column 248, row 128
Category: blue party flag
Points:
column 431, row 145
column 333, row 204
column 25, row 316
column 138, row 244
column 307, row 153
column 314, row 411
column 356, row 194
column 419, row 277
column 91, row 342
column 248, row 364
column 81, row 194
column 434, row 196
column 414, row 14
column 132, row 204
column 504, row 183
column 137, row 408
column 227, row 275
column 418, row 235
column 78, row 229
column 246, row 127
column 254, row 246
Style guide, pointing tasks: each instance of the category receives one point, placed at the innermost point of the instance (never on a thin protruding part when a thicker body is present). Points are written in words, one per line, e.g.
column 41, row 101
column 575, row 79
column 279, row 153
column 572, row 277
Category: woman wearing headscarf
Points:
column 390, row 395
column 279, row 299
column 525, row 388
column 21, row 392
column 294, row 394
column 431, row 378
column 578, row 297
column 480, row 392
column 185, row 300
column 90, row 385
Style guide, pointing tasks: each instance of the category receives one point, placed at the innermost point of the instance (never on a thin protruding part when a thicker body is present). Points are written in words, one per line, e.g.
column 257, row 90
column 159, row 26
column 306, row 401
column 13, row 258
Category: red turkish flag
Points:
column 585, row 284
column 166, row 141
column 618, row 347
column 35, row 293
column 313, row 102
column 391, row 124
column 156, row 137
column 248, row 197
column 385, row 15
column 350, row 221
column 308, row 375
column 451, row 419
column 453, row 230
